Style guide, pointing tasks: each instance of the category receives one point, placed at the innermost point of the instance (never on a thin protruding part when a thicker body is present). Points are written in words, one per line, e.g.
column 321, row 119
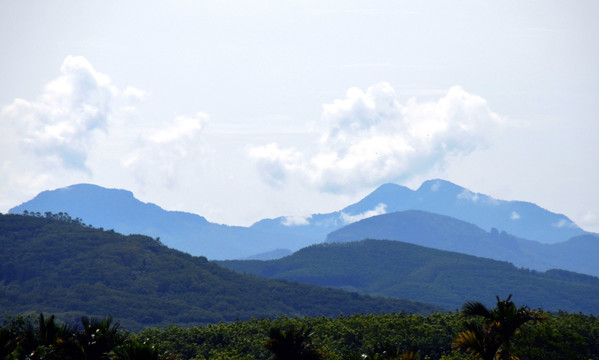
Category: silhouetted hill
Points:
column 443, row 278
column 443, row 232
column 522, row 219
column 64, row 268
column 120, row 211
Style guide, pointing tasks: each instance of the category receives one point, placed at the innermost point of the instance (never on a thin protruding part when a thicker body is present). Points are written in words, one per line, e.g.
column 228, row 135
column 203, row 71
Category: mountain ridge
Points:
column 443, row 278
column 120, row 210
column 61, row 267
column 446, row 233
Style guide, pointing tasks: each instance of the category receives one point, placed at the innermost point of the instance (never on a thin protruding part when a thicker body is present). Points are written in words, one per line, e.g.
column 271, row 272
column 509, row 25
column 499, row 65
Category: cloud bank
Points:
column 371, row 138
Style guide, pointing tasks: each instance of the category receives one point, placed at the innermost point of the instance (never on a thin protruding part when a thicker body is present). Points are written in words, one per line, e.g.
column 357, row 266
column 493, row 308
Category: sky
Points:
column 244, row 110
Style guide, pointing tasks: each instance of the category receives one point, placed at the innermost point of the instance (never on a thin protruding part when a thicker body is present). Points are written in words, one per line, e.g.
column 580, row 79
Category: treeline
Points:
column 37, row 338
column 60, row 216
column 559, row 336
column 439, row 336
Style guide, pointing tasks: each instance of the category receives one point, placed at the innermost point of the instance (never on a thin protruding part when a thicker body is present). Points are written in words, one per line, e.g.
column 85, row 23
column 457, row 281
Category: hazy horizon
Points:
column 239, row 111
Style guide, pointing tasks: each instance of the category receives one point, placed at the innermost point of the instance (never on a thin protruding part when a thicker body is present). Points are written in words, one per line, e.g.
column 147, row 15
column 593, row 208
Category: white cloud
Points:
column 380, row 209
column 158, row 155
column 468, row 195
column 135, row 94
column 296, row 220
column 58, row 127
column 589, row 220
column 563, row 223
column 182, row 128
column 82, row 128
column 371, row 138
column 274, row 164
column 514, row 215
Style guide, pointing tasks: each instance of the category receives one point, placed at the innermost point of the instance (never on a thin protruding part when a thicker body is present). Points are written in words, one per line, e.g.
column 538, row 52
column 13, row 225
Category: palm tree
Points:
column 292, row 344
column 479, row 340
column 134, row 350
column 492, row 338
column 98, row 337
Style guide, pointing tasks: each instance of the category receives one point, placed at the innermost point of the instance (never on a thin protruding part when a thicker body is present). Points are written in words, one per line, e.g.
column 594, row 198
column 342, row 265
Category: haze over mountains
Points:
column 522, row 219
column 437, row 267
column 119, row 210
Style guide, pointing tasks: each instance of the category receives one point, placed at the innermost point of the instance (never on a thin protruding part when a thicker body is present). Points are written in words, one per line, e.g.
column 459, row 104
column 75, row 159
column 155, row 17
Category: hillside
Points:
column 522, row 219
column 121, row 211
column 443, row 278
column 64, row 268
column 446, row 233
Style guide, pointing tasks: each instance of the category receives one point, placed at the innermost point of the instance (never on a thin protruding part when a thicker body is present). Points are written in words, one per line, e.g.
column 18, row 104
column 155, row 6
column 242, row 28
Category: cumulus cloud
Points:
column 274, row 164
column 159, row 153
column 514, row 215
column 380, row 209
column 371, row 137
column 83, row 128
column 58, row 126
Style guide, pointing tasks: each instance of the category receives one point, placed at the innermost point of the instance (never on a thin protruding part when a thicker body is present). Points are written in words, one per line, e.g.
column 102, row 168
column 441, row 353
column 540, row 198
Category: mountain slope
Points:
column 64, row 268
column 119, row 210
column 443, row 278
column 522, row 219
column 443, row 232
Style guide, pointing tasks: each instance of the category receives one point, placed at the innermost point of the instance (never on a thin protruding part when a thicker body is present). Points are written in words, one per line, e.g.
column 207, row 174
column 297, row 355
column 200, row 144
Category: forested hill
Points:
column 578, row 254
column 448, row 279
column 65, row 268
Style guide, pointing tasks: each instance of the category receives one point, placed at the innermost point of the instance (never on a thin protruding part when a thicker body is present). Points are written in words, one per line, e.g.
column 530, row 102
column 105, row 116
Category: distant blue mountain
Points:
column 121, row 211
column 522, row 219
column 442, row 232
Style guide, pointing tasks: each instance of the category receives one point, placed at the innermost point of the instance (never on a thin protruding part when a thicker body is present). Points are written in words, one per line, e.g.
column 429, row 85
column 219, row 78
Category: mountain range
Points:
column 443, row 278
column 577, row 254
column 64, row 268
column 119, row 210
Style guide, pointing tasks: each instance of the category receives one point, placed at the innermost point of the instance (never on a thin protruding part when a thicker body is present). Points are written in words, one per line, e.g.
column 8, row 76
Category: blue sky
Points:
column 241, row 110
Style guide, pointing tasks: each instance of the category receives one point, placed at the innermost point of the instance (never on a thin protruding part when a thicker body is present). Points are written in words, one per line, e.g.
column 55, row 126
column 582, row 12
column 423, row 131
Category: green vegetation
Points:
column 492, row 337
column 93, row 339
column 561, row 336
column 57, row 265
column 443, row 278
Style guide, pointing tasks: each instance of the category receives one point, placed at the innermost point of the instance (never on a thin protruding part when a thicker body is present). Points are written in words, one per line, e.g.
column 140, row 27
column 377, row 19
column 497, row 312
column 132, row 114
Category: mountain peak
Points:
column 439, row 185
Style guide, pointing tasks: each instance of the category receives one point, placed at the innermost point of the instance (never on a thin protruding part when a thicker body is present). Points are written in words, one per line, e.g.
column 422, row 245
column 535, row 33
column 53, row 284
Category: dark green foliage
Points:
column 61, row 267
column 492, row 336
column 292, row 344
column 443, row 278
column 37, row 338
column 561, row 336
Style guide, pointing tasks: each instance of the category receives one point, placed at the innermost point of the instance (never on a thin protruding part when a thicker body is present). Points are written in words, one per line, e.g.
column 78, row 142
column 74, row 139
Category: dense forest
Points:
column 53, row 264
column 182, row 307
column 443, row 278
column 556, row 336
